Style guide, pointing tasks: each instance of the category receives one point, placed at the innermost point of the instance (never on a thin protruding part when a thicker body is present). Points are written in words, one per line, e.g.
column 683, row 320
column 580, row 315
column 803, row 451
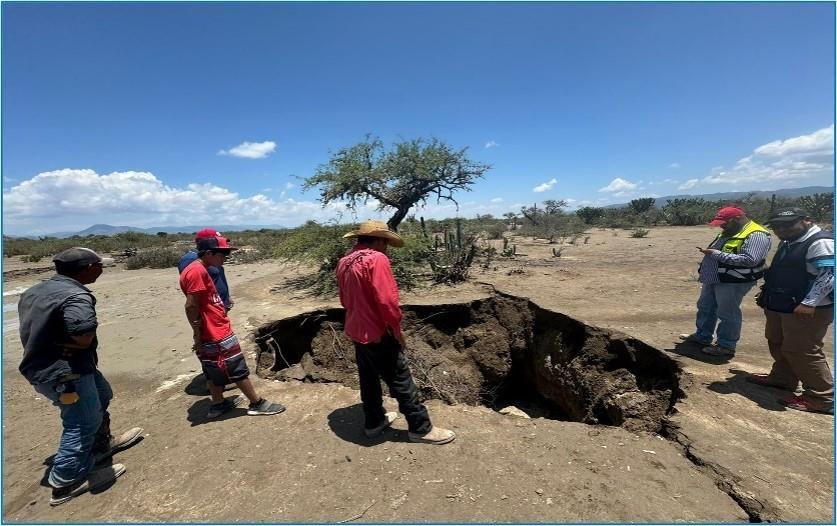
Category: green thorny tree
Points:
column 400, row 178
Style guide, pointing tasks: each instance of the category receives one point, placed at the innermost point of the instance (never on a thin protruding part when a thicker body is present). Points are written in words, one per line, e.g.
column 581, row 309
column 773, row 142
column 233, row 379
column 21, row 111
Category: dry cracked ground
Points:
column 727, row 452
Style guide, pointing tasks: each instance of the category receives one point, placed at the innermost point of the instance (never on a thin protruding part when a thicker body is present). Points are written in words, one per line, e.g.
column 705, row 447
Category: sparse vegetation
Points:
column 155, row 257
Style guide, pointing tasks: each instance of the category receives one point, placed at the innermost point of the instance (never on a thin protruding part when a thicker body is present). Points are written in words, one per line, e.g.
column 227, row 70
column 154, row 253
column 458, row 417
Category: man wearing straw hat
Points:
column 369, row 294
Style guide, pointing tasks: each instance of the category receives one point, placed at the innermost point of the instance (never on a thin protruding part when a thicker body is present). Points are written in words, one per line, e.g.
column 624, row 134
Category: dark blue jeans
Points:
column 385, row 360
column 81, row 422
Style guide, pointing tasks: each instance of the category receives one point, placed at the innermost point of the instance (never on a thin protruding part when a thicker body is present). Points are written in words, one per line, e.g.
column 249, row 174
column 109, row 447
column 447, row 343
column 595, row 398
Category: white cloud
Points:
column 545, row 186
column 497, row 200
column 674, row 165
column 251, row 150
column 289, row 186
column 821, row 141
column 491, row 144
column 618, row 186
column 71, row 199
column 691, row 183
column 781, row 161
column 67, row 200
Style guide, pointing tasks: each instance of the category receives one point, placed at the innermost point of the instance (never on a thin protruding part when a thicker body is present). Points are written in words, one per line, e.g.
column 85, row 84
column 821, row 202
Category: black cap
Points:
column 787, row 215
column 76, row 258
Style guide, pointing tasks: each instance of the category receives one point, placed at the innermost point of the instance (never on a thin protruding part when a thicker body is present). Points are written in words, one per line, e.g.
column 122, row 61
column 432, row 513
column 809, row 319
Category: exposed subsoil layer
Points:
column 498, row 351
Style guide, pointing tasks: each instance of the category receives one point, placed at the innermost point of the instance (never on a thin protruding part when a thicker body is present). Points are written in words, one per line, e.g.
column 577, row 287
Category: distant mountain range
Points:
column 109, row 230
column 731, row 196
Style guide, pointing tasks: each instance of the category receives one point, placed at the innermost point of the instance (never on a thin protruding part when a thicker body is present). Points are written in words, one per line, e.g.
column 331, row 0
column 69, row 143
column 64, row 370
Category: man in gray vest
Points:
column 58, row 332
column 798, row 302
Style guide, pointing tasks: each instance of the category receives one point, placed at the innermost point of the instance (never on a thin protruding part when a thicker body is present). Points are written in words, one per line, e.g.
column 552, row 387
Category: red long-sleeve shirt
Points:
column 369, row 294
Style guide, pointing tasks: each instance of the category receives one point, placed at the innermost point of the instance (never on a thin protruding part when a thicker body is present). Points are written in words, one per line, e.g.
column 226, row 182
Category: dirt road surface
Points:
column 731, row 452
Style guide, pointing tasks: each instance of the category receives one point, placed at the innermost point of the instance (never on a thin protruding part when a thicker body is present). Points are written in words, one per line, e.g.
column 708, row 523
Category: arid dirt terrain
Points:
column 727, row 452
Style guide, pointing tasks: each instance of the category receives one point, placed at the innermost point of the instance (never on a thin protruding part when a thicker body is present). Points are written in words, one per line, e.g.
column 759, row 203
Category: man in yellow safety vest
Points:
column 731, row 265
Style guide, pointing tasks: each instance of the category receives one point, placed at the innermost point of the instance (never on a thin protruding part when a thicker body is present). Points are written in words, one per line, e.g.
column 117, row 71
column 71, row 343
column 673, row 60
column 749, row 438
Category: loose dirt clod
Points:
column 497, row 352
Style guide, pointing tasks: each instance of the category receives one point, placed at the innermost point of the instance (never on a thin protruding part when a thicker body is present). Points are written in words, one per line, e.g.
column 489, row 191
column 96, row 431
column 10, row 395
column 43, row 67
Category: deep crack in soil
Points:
column 498, row 351
column 503, row 351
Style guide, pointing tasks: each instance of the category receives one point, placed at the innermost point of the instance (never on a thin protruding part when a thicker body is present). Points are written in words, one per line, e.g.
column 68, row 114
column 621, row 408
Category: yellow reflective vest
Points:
column 735, row 274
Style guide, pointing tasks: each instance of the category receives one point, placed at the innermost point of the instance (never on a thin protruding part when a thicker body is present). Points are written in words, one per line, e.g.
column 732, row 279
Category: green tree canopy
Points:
column 398, row 178
column 589, row 214
column 641, row 205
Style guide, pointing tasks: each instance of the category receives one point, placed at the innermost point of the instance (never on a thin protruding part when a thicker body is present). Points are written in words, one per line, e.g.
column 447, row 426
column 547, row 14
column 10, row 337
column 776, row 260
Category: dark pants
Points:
column 385, row 360
column 796, row 345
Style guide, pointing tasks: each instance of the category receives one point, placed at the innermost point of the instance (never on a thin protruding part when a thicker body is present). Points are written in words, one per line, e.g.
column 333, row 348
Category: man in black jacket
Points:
column 798, row 302
column 58, row 332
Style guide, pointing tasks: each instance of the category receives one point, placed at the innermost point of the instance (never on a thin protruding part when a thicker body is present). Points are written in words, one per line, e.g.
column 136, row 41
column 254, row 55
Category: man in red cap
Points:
column 731, row 265
column 215, row 343
column 217, row 274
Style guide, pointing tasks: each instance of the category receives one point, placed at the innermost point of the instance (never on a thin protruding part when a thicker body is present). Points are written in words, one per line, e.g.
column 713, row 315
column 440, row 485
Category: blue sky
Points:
column 188, row 113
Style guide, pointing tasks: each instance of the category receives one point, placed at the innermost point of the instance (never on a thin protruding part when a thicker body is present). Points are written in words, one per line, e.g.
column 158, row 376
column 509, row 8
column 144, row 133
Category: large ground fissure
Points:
column 497, row 351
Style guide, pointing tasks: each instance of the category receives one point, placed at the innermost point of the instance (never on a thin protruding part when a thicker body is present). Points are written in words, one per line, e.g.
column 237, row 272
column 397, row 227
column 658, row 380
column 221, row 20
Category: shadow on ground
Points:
column 196, row 414
column 347, row 424
column 197, row 386
column 692, row 351
column 766, row 397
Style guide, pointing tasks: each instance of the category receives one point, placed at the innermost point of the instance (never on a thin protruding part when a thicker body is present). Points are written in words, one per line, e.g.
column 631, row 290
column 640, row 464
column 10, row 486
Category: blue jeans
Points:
column 721, row 301
column 81, row 422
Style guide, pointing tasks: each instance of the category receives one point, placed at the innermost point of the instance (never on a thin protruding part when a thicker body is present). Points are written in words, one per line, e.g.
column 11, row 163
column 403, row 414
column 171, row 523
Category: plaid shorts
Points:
column 223, row 362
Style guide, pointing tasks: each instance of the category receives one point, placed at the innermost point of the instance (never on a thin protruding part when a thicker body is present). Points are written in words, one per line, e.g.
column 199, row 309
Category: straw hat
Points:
column 373, row 228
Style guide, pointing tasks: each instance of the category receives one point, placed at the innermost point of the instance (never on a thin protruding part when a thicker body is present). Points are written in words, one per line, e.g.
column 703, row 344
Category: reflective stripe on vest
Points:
column 730, row 273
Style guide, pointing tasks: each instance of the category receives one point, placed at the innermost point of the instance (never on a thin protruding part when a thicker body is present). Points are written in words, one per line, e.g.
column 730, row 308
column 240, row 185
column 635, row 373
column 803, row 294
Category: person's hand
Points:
column 708, row 251
column 804, row 311
column 401, row 341
column 196, row 345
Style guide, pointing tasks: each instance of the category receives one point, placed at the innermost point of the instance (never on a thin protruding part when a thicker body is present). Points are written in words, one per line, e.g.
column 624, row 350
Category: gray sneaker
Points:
column 120, row 443
column 389, row 418
column 264, row 407
column 94, row 480
column 216, row 410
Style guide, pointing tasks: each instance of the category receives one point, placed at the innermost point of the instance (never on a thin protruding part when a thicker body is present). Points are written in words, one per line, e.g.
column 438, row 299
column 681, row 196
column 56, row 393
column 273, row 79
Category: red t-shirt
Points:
column 215, row 325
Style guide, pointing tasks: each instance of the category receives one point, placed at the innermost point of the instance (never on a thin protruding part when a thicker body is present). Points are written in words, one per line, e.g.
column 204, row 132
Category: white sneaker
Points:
column 692, row 338
column 436, row 436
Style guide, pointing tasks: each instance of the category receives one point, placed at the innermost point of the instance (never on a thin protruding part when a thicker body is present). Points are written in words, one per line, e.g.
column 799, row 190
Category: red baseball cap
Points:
column 214, row 243
column 725, row 214
column 207, row 232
